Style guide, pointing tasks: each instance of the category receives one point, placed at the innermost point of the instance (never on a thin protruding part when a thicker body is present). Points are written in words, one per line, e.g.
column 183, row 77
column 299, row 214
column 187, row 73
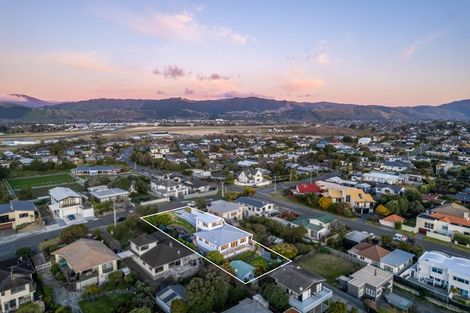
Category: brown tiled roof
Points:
column 394, row 218
column 371, row 252
column 84, row 254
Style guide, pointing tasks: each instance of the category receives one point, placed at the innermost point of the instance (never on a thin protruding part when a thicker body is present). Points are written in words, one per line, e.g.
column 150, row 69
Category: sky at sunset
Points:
column 367, row 52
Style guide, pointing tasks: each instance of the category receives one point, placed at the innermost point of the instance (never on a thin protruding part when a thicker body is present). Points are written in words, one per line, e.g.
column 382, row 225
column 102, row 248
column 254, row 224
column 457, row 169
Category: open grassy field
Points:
column 328, row 266
column 38, row 181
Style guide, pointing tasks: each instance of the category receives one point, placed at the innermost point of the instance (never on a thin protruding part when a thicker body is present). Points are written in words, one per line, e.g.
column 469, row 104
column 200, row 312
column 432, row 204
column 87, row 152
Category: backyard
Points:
column 327, row 265
column 106, row 303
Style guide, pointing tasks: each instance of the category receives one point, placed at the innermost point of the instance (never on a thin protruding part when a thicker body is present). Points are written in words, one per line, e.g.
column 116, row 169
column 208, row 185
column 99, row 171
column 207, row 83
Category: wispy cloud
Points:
column 319, row 54
column 171, row 26
column 408, row 51
column 84, row 60
column 171, row 71
column 301, row 85
column 213, row 76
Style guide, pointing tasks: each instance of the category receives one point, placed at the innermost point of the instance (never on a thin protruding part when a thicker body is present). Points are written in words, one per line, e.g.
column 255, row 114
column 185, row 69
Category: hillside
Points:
column 251, row 108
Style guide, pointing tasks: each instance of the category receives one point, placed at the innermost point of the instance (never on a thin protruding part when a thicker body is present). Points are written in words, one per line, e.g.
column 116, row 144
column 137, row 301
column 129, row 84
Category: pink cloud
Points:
column 171, row 71
column 213, row 76
column 171, row 26
column 410, row 50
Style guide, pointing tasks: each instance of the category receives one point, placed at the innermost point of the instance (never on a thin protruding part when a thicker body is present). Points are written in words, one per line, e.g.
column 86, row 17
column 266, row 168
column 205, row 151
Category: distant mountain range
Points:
column 29, row 109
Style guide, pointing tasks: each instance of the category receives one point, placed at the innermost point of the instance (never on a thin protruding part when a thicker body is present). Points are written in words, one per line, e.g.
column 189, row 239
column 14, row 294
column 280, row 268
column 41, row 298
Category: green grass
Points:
column 38, row 181
column 104, row 303
column 328, row 266
column 185, row 224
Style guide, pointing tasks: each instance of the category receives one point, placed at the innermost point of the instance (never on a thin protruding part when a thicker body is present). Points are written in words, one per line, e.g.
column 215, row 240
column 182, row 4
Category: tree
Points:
column 248, row 192
column 73, row 232
column 286, row 249
column 92, row 290
column 338, row 307
column 25, row 193
column 398, row 225
column 216, row 257
column 382, row 210
column 276, row 296
column 24, row 251
column 324, row 203
column 141, row 186
column 178, row 306
column 208, row 294
column 4, row 172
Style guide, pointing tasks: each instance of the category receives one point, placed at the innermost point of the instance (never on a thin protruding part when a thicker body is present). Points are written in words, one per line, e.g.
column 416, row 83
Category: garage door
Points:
column 6, row 226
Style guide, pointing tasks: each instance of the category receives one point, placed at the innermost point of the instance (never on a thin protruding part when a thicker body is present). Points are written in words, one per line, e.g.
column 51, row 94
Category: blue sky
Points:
column 368, row 52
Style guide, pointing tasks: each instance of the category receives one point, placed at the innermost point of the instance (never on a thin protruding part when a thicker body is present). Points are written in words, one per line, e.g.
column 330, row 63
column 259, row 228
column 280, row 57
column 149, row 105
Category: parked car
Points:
column 400, row 237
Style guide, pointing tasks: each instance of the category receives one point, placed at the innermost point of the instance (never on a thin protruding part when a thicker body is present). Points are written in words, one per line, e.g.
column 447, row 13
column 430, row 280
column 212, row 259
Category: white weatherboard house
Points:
column 214, row 234
column 251, row 177
column 379, row 177
column 65, row 202
column 444, row 271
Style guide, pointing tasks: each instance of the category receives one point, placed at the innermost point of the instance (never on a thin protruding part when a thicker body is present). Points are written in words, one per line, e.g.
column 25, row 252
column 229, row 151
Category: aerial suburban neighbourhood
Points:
column 230, row 157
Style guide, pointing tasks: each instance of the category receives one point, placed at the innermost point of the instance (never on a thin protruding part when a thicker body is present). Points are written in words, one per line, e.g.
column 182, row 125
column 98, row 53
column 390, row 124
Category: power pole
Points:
column 223, row 194
column 274, row 183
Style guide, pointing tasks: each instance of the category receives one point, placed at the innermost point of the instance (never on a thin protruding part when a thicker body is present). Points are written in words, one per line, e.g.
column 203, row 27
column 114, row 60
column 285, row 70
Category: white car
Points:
column 400, row 237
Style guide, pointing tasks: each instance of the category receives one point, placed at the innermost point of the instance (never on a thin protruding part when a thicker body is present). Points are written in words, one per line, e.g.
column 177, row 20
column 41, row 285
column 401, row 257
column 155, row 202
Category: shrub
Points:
column 398, row 225
column 286, row 249
column 25, row 251
column 73, row 233
column 216, row 257
column 324, row 203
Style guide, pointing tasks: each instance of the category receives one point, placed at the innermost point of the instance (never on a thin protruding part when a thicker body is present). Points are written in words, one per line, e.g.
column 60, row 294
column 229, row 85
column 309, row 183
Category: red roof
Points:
column 307, row 188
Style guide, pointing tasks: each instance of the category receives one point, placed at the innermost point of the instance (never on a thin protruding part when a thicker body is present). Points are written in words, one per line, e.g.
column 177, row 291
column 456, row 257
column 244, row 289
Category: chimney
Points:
column 171, row 244
column 375, row 272
column 178, row 252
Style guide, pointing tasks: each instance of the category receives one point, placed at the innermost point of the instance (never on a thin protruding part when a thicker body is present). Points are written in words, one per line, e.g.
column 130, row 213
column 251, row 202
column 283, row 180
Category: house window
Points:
column 461, row 280
column 108, row 267
column 225, row 246
column 24, row 215
column 233, row 244
column 242, row 240
column 370, row 292
column 428, row 225
column 436, row 270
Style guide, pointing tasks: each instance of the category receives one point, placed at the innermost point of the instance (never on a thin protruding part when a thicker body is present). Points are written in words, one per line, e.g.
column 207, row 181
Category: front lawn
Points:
column 328, row 266
column 105, row 303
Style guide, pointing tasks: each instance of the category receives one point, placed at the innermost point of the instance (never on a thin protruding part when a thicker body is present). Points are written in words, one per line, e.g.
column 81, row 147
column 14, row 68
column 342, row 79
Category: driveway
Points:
column 62, row 293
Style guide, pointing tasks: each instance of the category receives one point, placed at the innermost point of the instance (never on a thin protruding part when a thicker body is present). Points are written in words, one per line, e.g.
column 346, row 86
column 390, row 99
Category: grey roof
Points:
column 295, row 278
column 17, row 205
column 222, row 235
column 15, row 273
column 356, row 236
column 251, row 202
column 61, row 193
column 222, row 206
column 175, row 290
column 143, row 239
column 248, row 305
column 113, row 192
column 166, row 251
column 397, row 257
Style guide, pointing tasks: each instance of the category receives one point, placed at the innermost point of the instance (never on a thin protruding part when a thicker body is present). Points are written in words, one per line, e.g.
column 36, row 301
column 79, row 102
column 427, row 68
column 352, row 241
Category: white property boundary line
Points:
column 243, row 282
